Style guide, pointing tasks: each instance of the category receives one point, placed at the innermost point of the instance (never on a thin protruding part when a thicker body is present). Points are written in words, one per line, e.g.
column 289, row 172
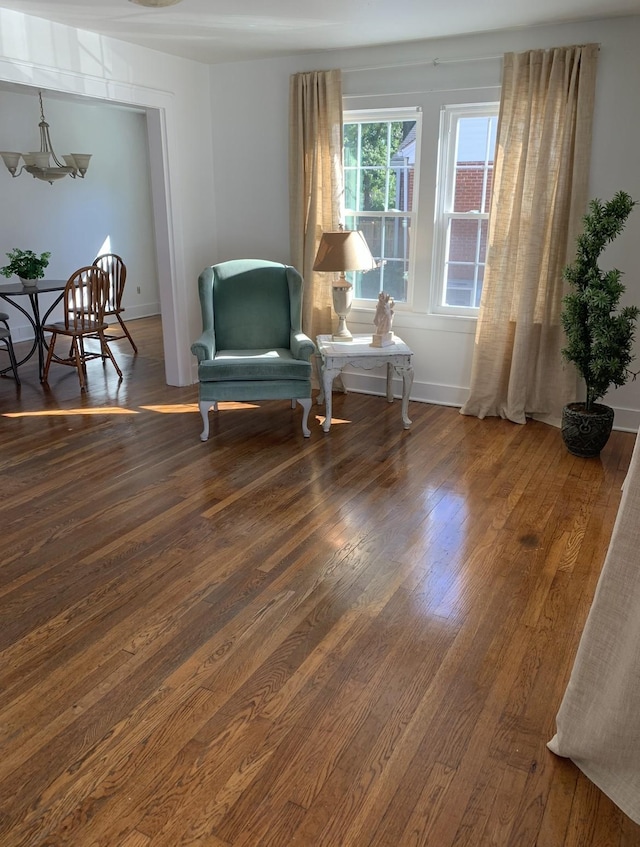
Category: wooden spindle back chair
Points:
column 116, row 270
column 5, row 338
column 84, row 300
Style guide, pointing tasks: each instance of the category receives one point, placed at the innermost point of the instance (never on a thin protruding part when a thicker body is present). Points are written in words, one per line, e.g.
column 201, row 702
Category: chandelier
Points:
column 45, row 164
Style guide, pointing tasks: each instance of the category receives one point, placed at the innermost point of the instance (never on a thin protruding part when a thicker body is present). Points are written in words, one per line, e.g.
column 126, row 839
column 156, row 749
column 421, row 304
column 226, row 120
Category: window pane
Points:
column 465, row 268
column 484, row 230
column 463, row 287
column 389, row 241
column 351, row 189
column 375, row 146
column 373, row 190
column 469, row 188
column 474, row 164
column 386, row 163
column 479, row 282
column 394, row 279
column 459, row 284
column 350, row 145
column 463, row 240
column 371, row 228
column 401, row 199
column 390, row 277
column 402, row 164
column 367, row 285
column 488, row 189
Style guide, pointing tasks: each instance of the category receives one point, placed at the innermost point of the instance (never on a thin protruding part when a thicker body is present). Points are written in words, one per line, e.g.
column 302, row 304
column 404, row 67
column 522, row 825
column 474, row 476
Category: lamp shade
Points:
column 344, row 250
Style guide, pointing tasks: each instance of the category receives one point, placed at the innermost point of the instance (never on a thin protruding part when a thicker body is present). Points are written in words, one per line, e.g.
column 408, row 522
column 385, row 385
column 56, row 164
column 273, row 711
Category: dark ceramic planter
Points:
column 586, row 433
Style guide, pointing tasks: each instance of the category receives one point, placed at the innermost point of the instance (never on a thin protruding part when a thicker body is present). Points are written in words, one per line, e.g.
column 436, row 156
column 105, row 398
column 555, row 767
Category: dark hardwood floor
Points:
column 359, row 639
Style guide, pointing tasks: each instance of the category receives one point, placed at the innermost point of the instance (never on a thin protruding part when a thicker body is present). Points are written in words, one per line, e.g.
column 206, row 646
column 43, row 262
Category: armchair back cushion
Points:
column 251, row 308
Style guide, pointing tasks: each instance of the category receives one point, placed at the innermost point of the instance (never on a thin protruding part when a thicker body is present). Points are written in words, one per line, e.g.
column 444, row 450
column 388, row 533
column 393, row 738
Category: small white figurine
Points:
column 383, row 320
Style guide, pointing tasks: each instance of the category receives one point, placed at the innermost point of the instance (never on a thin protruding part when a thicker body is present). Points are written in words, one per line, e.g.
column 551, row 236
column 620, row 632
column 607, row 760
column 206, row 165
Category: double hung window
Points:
column 381, row 151
column 465, row 182
column 435, row 264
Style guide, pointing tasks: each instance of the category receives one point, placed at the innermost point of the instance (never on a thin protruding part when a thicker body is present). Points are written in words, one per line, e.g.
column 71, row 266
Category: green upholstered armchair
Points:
column 252, row 346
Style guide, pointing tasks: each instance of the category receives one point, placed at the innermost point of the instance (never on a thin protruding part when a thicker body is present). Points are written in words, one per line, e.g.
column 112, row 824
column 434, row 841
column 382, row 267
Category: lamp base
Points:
column 342, row 333
column 342, row 295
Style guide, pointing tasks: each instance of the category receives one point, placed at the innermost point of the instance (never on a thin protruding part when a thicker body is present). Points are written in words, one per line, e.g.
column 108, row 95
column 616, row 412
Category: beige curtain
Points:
column 539, row 198
column 599, row 720
column 315, row 183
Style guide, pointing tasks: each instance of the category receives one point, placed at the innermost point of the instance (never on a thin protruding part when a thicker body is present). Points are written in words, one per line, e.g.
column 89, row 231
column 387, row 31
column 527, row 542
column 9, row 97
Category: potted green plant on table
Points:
column 599, row 333
column 26, row 265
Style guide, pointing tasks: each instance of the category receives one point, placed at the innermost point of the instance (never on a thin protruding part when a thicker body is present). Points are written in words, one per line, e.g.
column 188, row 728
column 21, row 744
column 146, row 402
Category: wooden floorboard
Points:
column 360, row 639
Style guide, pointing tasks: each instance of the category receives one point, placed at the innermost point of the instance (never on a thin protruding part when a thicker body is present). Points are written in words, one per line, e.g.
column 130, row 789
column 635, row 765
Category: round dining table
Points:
column 14, row 293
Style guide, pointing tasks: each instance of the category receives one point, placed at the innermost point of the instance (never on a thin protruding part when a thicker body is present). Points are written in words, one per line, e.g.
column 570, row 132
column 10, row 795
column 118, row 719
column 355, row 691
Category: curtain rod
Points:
column 435, row 62
column 388, row 94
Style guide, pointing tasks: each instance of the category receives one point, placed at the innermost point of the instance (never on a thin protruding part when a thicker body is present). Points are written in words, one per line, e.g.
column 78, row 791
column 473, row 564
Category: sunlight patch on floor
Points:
column 173, row 408
column 178, row 408
column 320, row 418
column 163, row 409
column 57, row 413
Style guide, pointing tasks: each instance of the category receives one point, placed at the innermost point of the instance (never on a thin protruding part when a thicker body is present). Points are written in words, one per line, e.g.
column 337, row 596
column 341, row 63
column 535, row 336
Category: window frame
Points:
column 450, row 115
column 391, row 115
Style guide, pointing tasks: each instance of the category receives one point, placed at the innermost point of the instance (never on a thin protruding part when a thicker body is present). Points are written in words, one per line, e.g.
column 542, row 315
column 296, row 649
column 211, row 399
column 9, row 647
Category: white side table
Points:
column 335, row 355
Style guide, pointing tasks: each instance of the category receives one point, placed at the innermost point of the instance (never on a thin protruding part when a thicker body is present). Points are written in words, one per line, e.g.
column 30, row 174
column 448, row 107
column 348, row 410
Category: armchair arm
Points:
column 205, row 346
column 302, row 347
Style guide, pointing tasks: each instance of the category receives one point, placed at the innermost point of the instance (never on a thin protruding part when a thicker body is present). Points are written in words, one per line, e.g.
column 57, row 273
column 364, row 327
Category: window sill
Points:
column 461, row 324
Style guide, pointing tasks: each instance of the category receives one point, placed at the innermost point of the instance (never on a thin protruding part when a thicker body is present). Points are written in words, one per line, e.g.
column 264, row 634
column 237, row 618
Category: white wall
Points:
column 218, row 140
column 250, row 104
column 76, row 219
column 175, row 94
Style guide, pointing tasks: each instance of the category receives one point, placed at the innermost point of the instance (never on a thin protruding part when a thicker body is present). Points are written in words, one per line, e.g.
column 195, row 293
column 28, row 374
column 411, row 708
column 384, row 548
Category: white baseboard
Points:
column 20, row 332
column 24, row 332
column 146, row 310
column 440, row 395
column 625, row 420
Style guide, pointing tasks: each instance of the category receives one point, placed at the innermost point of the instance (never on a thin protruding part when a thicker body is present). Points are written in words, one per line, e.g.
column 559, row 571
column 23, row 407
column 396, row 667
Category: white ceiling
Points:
column 230, row 30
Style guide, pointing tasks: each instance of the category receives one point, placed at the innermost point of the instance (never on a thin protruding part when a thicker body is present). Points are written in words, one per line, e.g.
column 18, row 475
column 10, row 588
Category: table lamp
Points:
column 344, row 250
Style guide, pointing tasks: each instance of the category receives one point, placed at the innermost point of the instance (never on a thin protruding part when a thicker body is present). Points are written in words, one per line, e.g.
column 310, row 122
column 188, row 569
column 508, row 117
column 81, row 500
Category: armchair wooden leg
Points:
column 305, row 402
column 205, row 405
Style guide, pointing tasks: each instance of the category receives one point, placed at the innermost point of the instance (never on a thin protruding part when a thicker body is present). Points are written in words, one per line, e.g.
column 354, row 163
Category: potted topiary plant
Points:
column 26, row 265
column 599, row 334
